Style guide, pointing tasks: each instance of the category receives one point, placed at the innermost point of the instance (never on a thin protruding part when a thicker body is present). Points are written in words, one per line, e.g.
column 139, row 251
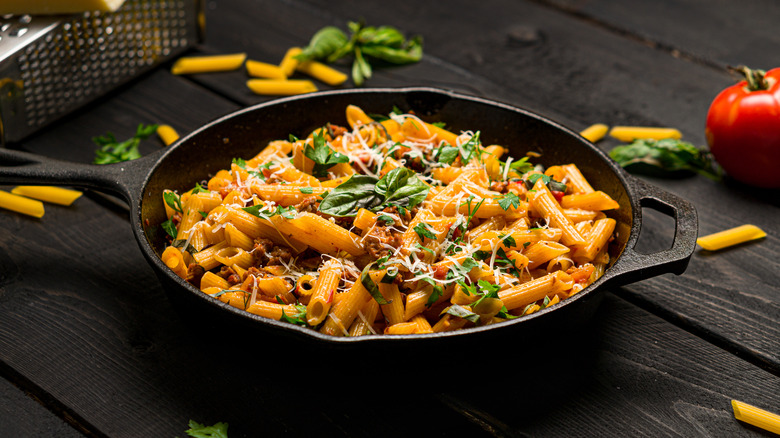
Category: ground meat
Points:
column 374, row 242
column 406, row 217
column 266, row 253
column 336, row 130
column 194, row 274
column 309, row 204
column 499, row 186
column 280, row 255
column 229, row 274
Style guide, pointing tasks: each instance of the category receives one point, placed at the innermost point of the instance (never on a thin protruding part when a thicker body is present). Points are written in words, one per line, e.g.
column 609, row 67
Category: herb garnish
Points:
column 424, row 230
column 323, row 156
column 371, row 287
column 384, row 43
column 112, row 151
column 198, row 430
column 665, row 157
column 400, row 188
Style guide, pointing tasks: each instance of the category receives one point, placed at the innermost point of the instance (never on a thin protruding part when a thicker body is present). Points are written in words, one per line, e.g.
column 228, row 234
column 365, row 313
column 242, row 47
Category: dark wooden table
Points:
column 90, row 345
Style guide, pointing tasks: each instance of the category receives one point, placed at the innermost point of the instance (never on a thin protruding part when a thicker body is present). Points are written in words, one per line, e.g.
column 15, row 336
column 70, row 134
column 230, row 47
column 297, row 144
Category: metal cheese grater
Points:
column 52, row 65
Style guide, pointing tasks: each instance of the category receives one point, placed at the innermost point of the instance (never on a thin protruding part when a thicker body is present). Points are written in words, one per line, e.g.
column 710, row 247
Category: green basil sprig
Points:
column 384, row 43
column 665, row 158
column 399, row 188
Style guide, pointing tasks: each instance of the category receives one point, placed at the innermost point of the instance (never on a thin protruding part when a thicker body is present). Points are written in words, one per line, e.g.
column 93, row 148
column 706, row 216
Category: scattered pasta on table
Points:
column 389, row 225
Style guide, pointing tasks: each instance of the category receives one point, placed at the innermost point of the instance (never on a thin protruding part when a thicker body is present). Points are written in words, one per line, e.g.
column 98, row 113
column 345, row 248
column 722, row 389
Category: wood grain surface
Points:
column 88, row 338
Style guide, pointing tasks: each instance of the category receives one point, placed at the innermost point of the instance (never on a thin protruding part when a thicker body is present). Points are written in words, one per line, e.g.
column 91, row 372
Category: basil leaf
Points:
column 184, row 246
column 401, row 187
column 411, row 52
column 446, row 154
column 174, row 201
column 665, row 157
column 323, row 43
column 423, row 230
column 437, row 292
column 461, row 312
column 323, row 156
column 306, row 190
column 509, row 200
column 371, row 287
column 169, row 228
column 298, row 319
column 355, row 193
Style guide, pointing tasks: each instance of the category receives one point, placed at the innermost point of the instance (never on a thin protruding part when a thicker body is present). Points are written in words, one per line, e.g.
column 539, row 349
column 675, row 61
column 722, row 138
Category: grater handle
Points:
column 123, row 179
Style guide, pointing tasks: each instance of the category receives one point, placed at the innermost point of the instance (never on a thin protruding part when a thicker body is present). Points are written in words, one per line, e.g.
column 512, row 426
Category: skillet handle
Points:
column 123, row 179
column 633, row 266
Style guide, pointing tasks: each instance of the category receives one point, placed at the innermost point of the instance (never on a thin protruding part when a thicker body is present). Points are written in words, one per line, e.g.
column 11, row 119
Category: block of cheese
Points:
column 50, row 7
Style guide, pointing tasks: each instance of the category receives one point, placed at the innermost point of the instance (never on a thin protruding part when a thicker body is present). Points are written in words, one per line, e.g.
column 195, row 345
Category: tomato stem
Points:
column 755, row 78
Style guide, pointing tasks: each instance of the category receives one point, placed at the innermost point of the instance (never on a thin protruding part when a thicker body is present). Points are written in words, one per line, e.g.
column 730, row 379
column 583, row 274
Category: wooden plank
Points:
column 23, row 417
column 632, row 375
column 716, row 33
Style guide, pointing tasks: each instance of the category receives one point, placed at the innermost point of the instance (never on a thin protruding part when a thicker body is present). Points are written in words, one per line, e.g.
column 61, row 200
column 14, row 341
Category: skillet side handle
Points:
column 121, row 179
column 633, row 266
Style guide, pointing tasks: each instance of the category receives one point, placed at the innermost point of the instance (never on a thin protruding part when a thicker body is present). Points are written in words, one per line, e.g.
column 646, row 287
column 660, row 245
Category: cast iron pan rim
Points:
column 308, row 333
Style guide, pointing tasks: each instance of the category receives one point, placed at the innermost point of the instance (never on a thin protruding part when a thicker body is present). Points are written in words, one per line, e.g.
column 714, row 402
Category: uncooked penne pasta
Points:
column 393, row 226
column 730, row 237
column 631, row 133
column 208, row 64
column 167, row 134
column 595, row 132
column 279, row 87
column 257, row 69
column 324, row 73
column 54, row 195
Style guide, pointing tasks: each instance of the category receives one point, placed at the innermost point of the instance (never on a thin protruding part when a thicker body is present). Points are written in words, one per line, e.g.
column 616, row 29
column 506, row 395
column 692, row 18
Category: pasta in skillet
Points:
column 392, row 226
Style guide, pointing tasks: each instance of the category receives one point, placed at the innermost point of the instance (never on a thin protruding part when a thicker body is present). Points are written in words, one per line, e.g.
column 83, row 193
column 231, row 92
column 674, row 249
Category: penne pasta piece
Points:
column 344, row 312
column 575, row 180
column 730, row 237
column 631, row 133
column 20, row 204
column 542, row 252
column 208, row 64
column 54, row 195
column 594, row 133
column 324, row 290
column 356, row 116
column 402, row 328
column 289, row 63
column 173, row 258
column 277, row 87
column 257, row 69
column 757, row 417
column 287, row 194
column 324, row 73
column 596, row 200
column 364, row 321
column 211, row 279
column 544, row 202
column 598, row 238
column 167, row 134
column 321, row 234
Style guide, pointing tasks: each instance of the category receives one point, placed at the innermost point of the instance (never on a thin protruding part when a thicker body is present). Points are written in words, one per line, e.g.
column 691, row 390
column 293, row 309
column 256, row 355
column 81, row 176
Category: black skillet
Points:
column 245, row 132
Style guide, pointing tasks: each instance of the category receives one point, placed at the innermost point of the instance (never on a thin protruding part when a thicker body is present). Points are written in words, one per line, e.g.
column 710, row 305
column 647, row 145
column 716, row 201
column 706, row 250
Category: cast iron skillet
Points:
column 245, row 132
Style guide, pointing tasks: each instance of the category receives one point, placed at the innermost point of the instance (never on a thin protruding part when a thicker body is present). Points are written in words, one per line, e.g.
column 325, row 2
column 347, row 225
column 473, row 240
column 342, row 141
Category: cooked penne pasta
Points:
column 392, row 227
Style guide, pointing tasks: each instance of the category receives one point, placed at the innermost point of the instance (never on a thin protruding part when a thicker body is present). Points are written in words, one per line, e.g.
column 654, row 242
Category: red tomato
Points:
column 743, row 130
